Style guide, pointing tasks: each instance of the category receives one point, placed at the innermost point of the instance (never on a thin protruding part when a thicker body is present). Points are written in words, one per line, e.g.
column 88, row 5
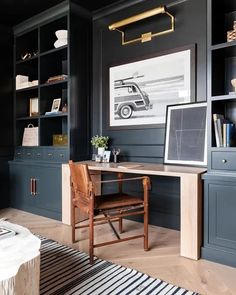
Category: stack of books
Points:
column 224, row 131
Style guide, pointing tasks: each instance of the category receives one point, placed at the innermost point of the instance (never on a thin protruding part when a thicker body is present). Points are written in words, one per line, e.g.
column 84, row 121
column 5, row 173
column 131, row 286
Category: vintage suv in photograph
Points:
column 129, row 98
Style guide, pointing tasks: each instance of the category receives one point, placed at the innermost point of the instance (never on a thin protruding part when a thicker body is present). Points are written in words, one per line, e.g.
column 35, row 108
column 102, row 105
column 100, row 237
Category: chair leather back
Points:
column 80, row 179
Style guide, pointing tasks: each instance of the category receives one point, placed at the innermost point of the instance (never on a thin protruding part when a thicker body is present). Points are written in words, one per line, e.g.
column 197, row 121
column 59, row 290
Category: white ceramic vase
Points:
column 101, row 151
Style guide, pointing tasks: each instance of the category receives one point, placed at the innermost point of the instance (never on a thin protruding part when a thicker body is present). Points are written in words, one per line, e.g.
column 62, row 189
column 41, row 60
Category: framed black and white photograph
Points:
column 56, row 105
column 185, row 138
column 141, row 90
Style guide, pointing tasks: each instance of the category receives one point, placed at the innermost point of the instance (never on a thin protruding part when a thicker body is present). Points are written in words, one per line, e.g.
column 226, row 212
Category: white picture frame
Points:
column 186, row 134
column 56, row 105
column 140, row 91
column 106, row 156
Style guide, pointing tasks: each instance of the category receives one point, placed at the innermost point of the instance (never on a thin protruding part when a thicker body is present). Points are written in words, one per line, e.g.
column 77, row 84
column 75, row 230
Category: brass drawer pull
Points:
column 224, row 161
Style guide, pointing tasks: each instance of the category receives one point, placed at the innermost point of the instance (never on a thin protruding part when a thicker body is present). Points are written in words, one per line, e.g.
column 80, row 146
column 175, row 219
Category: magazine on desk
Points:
column 6, row 232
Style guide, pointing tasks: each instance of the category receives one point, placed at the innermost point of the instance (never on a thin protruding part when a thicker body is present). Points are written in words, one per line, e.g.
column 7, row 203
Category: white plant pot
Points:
column 101, row 151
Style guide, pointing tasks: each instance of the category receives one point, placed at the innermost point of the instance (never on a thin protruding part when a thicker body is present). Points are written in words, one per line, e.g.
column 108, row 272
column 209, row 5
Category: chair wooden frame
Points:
column 84, row 197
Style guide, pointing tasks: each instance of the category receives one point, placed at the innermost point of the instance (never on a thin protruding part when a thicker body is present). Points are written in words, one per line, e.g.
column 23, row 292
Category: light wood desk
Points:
column 190, row 197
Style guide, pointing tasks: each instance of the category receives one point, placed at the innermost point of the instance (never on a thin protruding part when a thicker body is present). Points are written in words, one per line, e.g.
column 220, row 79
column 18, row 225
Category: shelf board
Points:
column 53, row 83
column 223, row 45
column 54, row 50
column 223, row 97
column 27, row 118
column 54, row 115
column 27, row 88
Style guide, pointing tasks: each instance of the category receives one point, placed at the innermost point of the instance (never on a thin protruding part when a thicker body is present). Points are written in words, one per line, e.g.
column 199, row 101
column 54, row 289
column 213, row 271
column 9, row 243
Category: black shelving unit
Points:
column 37, row 167
column 220, row 181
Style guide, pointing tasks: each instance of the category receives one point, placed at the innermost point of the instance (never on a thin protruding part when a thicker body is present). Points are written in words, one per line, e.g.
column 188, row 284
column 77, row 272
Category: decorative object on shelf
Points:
column 146, row 36
column 30, row 136
column 25, row 55
column 60, row 139
column 64, row 108
column 233, row 82
column 56, row 78
column 23, row 82
column 56, row 105
column 62, row 38
column 136, row 88
column 28, row 55
column 185, row 138
column 231, row 35
column 34, row 107
column 115, row 153
column 106, row 156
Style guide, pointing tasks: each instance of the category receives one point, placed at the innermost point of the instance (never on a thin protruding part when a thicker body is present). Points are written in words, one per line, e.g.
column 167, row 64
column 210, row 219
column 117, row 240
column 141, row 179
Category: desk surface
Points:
column 145, row 168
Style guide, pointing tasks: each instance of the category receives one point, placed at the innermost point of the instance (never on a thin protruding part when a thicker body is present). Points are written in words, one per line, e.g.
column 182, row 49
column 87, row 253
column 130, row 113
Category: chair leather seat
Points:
column 111, row 201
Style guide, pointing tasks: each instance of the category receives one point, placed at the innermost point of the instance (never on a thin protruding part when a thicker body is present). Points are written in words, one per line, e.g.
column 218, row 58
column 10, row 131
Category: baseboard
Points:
column 219, row 256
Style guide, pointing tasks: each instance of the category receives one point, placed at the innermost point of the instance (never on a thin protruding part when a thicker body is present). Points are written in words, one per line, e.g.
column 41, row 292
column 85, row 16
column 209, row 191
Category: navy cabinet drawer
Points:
column 224, row 160
column 19, row 153
column 53, row 155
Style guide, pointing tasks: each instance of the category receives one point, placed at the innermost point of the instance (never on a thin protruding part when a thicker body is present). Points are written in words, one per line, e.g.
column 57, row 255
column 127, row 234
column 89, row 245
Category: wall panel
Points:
column 145, row 144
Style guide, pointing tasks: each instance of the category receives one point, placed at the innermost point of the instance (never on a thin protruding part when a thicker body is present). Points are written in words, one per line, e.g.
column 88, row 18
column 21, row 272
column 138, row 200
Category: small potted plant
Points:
column 100, row 142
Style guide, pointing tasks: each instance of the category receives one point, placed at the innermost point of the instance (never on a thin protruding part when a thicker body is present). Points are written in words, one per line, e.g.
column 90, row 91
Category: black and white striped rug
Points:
column 67, row 271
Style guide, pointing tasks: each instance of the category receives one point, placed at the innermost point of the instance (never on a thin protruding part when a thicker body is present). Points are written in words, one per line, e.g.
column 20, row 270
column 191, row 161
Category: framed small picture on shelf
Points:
column 56, row 105
column 34, row 107
column 106, row 156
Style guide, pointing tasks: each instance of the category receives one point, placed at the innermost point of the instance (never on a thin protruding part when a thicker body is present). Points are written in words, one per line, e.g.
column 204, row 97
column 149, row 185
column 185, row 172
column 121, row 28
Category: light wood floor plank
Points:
column 162, row 261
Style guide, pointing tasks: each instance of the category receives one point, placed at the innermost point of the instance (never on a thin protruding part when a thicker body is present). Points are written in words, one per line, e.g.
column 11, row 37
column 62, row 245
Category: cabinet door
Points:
column 21, row 187
column 222, row 215
column 36, row 189
column 48, row 190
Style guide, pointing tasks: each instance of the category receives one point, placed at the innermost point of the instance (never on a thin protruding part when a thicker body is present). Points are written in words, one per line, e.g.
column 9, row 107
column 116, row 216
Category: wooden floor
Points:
column 162, row 261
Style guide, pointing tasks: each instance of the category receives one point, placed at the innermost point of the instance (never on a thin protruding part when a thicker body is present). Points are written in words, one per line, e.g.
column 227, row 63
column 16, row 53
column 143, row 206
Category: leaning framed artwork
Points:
column 185, row 138
column 139, row 91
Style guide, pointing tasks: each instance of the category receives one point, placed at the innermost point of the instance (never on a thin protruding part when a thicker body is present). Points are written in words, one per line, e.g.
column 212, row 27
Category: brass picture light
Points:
column 146, row 36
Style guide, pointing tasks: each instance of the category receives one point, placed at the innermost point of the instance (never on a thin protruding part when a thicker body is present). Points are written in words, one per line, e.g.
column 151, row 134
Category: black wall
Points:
column 147, row 144
column 6, row 102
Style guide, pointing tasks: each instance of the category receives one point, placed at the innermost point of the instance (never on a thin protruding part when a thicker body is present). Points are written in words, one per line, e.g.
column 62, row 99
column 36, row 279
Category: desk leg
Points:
column 191, row 216
column 66, row 194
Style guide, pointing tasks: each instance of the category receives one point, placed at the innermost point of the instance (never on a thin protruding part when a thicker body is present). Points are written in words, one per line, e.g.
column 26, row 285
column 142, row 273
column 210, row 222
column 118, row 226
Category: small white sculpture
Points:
column 233, row 82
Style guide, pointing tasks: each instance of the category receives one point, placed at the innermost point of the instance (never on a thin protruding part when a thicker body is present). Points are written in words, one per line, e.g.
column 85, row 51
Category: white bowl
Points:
column 61, row 34
column 60, row 43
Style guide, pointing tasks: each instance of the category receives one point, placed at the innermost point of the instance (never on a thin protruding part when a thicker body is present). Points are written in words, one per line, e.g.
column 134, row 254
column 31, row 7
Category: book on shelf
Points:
column 6, row 232
column 228, row 134
column 218, row 119
column 224, row 131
